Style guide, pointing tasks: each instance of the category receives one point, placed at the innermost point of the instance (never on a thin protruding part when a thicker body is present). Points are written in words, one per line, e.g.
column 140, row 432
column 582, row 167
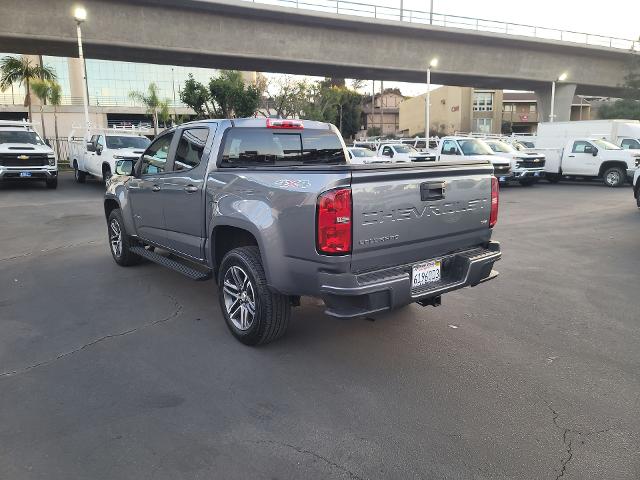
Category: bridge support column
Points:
column 563, row 100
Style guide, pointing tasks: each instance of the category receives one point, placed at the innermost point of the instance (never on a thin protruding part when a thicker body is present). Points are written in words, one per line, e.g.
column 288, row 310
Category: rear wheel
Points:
column 79, row 175
column 253, row 312
column 119, row 241
column 614, row 177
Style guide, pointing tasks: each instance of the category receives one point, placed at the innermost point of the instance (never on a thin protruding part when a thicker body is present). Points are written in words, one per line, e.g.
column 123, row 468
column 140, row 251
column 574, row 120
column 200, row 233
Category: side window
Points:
column 581, row 146
column 190, row 148
column 101, row 141
column 449, row 148
column 154, row 159
column 630, row 144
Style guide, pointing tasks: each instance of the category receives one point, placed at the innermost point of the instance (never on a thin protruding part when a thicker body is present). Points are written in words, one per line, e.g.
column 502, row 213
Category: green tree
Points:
column 195, row 95
column 374, row 132
column 40, row 89
column 231, row 97
column 23, row 71
column 628, row 107
column 154, row 105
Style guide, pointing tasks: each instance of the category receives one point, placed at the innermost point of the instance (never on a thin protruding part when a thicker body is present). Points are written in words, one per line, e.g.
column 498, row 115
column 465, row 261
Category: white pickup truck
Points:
column 469, row 148
column 400, row 152
column 99, row 155
column 527, row 167
column 589, row 158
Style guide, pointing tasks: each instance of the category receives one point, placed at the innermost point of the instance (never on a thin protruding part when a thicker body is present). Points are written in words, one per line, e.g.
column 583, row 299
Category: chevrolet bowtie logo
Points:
column 23, row 157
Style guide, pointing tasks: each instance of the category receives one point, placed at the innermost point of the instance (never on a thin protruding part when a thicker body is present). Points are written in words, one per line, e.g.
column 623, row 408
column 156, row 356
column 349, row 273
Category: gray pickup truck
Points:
column 273, row 210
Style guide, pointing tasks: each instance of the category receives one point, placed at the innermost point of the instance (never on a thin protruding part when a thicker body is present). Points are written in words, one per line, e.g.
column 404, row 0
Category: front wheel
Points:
column 52, row 183
column 527, row 182
column 614, row 177
column 106, row 174
column 119, row 241
column 79, row 175
column 552, row 178
column 253, row 312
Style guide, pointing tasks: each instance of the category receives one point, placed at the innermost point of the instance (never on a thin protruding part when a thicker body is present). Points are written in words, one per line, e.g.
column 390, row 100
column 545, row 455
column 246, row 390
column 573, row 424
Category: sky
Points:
column 614, row 18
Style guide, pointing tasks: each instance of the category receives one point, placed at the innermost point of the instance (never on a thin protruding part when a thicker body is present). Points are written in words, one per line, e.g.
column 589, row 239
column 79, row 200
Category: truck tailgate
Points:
column 403, row 215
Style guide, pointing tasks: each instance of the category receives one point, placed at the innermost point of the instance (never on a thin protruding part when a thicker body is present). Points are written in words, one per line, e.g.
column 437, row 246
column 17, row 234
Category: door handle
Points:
column 155, row 188
column 190, row 189
column 571, row 156
column 432, row 191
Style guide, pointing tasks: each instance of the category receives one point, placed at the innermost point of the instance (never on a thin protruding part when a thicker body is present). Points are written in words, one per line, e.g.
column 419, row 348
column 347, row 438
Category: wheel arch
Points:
column 226, row 237
column 612, row 164
column 110, row 205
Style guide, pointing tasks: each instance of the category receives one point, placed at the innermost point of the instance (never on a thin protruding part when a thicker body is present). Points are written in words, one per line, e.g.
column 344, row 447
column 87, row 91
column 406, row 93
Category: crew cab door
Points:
column 579, row 160
column 183, row 191
column 145, row 190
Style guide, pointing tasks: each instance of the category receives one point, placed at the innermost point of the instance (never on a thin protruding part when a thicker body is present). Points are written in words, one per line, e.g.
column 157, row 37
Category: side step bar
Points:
column 187, row 271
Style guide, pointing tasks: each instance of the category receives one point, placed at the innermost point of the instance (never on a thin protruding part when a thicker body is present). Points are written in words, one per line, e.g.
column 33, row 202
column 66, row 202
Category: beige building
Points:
column 453, row 109
column 385, row 113
column 463, row 109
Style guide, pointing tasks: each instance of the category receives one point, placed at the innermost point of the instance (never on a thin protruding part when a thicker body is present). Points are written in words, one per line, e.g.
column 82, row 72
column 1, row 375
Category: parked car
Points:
column 361, row 155
column 98, row 156
column 272, row 210
column 405, row 153
column 526, row 167
column 589, row 158
column 25, row 156
column 469, row 148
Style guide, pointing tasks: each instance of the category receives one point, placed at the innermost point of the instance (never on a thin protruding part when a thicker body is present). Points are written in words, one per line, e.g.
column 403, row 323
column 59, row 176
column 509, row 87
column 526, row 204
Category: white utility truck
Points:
column 99, row 155
column 624, row 133
column 398, row 151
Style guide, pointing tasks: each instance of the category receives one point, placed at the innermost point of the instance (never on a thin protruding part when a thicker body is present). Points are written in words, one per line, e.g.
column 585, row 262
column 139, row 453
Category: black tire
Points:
column 106, row 173
column 614, row 177
column 527, row 182
column 638, row 197
column 552, row 178
column 79, row 175
column 271, row 311
column 123, row 256
column 52, row 183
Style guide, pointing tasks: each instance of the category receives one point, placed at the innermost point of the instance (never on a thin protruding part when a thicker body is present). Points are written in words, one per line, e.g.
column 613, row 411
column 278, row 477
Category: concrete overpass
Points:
column 245, row 36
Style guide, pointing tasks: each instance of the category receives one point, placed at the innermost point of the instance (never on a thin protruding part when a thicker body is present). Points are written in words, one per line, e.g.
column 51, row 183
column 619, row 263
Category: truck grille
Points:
column 18, row 160
column 532, row 163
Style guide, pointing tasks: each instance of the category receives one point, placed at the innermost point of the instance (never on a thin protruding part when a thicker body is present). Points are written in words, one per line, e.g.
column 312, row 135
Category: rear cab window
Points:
column 255, row 147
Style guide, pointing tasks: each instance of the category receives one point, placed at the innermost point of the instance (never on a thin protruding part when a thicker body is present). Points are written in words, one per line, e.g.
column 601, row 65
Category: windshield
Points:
column 20, row 136
column 474, row 147
column 116, row 142
column 500, row 147
column 404, row 149
column 606, row 145
column 362, row 152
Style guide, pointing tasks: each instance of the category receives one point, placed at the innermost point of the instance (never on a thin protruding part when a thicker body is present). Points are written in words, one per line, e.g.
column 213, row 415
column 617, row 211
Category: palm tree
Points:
column 23, row 71
column 151, row 100
column 51, row 92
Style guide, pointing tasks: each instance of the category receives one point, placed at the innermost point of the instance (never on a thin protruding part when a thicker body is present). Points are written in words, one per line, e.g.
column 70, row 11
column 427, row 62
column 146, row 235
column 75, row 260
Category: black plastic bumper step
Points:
column 180, row 267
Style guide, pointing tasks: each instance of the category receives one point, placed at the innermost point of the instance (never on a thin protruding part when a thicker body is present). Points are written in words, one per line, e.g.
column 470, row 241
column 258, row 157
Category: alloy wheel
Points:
column 239, row 298
column 115, row 238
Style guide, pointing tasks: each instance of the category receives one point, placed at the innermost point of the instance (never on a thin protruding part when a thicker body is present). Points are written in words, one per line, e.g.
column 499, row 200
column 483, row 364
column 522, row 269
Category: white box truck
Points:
column 624, row 133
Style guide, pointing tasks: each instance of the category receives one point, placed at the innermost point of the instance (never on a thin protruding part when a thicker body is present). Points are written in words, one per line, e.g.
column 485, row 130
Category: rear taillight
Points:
column 493, row 217
column 288, row 124
column 333, row 222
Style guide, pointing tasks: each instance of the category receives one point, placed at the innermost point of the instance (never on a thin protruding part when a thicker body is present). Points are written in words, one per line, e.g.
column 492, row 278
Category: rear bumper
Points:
column 36, row 173
column 349, row 295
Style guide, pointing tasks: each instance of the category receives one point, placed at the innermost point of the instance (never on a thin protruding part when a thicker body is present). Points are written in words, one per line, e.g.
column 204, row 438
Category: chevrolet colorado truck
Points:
column 273, row 211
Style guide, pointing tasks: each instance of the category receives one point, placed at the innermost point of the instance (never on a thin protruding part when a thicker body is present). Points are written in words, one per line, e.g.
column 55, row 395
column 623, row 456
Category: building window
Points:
column 482, row 125
column 508, row 107
column 482, row 101
column 532, row 108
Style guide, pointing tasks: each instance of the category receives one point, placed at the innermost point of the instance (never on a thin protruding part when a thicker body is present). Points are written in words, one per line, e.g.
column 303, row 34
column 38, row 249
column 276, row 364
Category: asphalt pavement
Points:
column 130, row 373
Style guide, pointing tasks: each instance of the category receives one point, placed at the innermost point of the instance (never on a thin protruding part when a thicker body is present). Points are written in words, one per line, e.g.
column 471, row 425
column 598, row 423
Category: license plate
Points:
column 424, row 273
column 502, row 179
column 25, row 174
column 537, row 174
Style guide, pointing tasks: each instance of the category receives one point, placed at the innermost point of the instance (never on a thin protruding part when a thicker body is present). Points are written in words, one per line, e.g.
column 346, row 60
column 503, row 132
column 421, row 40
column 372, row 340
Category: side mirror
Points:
column 91, row 147
column 594, row 152
column 99, row 149
column 124, row 167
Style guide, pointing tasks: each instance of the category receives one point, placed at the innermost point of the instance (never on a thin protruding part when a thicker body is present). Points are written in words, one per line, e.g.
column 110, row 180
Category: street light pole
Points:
column 431, row 13
column 80, row 15
column 427, row 107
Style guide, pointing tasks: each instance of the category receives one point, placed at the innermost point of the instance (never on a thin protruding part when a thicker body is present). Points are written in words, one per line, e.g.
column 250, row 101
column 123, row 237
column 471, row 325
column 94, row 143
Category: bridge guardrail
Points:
column 351, row 7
